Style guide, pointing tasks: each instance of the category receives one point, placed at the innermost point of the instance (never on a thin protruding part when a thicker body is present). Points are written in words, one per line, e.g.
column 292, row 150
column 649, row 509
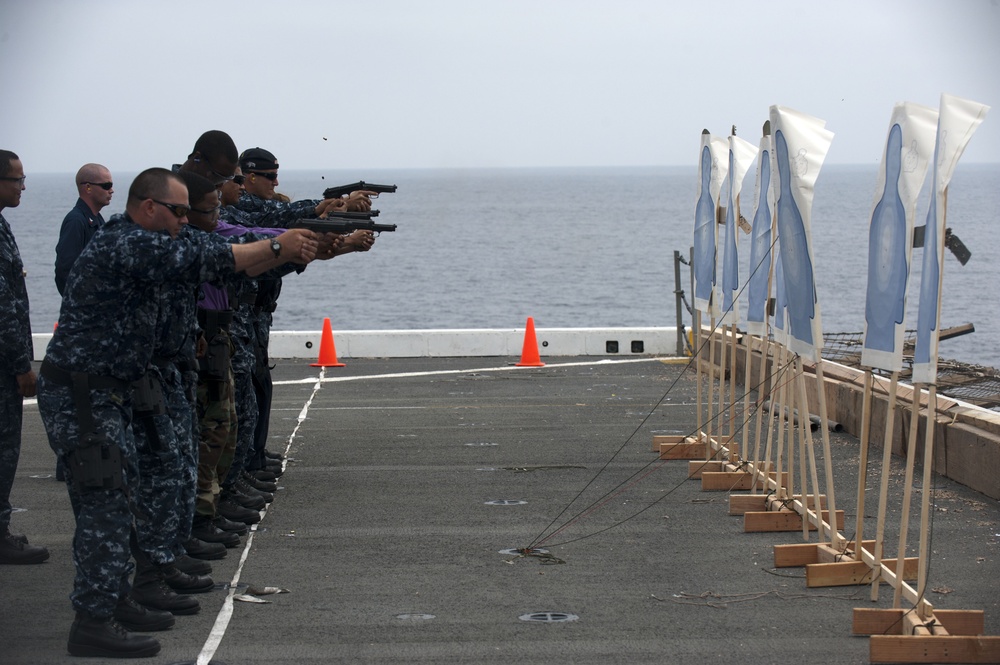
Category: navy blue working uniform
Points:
column 15, row 358
column 105, row 340
column 78, row 227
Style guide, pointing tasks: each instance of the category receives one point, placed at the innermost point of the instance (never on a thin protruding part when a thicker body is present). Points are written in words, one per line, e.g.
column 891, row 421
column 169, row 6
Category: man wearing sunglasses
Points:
column 258, row 206
column 214, row 157
column 17, row 379
column 105, row 342
column 95, row 186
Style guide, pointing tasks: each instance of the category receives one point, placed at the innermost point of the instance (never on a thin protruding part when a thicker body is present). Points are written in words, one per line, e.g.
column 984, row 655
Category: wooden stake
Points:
column 904, row 519
column 866, row 423
column 825, row 431
column 883, row 495
column 925, row 499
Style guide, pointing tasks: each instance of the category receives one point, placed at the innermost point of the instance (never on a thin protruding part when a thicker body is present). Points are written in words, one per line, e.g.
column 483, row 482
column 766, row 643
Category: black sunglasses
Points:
column 179, row 211
column 239, row 179
column 210, row 211
column 270, row 176
column 106, row 186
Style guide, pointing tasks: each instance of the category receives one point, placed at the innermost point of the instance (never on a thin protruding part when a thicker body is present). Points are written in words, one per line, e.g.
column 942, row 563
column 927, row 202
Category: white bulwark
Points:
column 659, row 341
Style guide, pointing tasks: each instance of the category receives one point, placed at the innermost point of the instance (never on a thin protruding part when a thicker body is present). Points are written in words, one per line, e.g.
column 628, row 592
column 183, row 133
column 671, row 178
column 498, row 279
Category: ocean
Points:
column 570, row 247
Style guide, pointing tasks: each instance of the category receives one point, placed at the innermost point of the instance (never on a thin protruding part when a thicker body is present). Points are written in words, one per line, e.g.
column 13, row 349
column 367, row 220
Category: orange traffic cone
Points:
column 529, row 352
column 327, row 350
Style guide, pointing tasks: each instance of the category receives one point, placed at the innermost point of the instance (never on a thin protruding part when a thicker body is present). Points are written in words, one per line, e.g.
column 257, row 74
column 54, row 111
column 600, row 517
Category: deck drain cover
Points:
column 482, row 443
column 505, row 502
column 514, row 551
column 415, row 617
column 548, row 617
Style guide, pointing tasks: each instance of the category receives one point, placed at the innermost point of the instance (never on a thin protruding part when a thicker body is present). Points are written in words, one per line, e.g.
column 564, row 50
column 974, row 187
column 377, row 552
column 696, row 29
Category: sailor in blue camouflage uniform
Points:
column 164, row 430
column 104, row 343
column 17, row 379
column 257, row 206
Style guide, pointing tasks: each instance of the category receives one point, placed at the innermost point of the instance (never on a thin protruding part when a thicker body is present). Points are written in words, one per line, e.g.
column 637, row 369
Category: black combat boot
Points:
column 244, row 488
column 150, row 590
column 191, row 566
column 199, row 549
column 14, row 549
column 106, row 638
column 222, row 524
column 263, row 485
column 183, row 582
column 262, row 474
column 133, row 616
column 203, row 528
column 233, row 493
column 232, row 510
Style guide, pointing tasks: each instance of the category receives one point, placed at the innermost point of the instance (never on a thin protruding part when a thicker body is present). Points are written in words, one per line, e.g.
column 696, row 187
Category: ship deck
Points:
column 383, row 535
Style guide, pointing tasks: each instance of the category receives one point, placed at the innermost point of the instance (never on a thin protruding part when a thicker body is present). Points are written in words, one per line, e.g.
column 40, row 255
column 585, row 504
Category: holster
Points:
column 147, row 397
column 97, row 463
column 215, row 365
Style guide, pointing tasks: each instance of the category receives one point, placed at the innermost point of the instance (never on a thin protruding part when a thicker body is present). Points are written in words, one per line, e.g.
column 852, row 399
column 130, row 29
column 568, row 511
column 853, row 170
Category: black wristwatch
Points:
column 276, row 248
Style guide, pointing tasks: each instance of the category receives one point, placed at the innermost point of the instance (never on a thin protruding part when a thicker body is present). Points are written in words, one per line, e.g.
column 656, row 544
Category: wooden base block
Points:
column 774, row 503
column 728, row 481
column 745, row 503
column 934, row 649
column 662, row 439
column 802, row 554
column 782, row 520
column 871, row 621
column 827, row 554
column 692, row 451
column 852, row 573
column 696, row 469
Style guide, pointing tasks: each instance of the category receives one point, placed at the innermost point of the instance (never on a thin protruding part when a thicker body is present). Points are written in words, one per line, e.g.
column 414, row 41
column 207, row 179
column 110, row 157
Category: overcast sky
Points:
column 473, row 83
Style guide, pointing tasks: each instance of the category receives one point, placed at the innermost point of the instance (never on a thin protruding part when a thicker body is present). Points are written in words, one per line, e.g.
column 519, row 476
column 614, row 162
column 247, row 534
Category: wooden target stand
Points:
column 919, row 634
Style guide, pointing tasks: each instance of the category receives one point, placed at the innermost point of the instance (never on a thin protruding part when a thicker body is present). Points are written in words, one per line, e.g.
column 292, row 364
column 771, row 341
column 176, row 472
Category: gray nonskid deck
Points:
column 382, row 534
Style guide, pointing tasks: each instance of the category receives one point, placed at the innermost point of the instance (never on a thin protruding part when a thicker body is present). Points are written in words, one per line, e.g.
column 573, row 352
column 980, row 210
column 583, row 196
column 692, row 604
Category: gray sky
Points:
column 470, row 83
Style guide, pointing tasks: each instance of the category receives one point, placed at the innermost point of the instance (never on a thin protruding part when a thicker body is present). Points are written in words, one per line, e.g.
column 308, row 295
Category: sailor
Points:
column 104, row 343
column 17, row 379
column 214, row 157
column 258, row 206
column 95, row 187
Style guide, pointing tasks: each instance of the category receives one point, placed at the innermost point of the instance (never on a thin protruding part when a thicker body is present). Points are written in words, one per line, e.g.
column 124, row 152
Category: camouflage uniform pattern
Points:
column 103, row 519
column 15, row 358
column 217, row 443
column 168, row 454
column 108, row 328
column 275, row 214
column 168, row 462
column 255, row 211
column 246, row 414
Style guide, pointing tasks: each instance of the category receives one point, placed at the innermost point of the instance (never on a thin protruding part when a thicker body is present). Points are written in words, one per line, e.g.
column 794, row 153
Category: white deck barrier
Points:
column 464, row 343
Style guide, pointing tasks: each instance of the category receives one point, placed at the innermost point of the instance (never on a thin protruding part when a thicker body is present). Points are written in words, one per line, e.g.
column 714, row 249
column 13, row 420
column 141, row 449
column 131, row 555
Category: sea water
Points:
column 570, row 247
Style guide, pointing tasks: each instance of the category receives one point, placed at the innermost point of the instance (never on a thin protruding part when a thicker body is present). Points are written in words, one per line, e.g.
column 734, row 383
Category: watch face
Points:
column 276, row 247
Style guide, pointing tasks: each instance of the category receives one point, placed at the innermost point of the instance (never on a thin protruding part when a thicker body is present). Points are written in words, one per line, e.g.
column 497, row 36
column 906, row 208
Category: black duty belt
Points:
column 62, row 377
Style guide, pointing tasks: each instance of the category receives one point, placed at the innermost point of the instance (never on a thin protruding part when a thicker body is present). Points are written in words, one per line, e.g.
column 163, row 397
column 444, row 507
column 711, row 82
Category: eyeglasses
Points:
column 106, row 186
column 239, row 179
column 179, row 211
column 19, row 181
column 210, row 211
column 273, row 177
column 224, row 178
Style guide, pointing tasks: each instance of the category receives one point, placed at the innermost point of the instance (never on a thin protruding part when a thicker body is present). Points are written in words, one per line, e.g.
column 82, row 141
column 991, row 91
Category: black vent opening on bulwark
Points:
column 611, row 346
column 637, row 346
